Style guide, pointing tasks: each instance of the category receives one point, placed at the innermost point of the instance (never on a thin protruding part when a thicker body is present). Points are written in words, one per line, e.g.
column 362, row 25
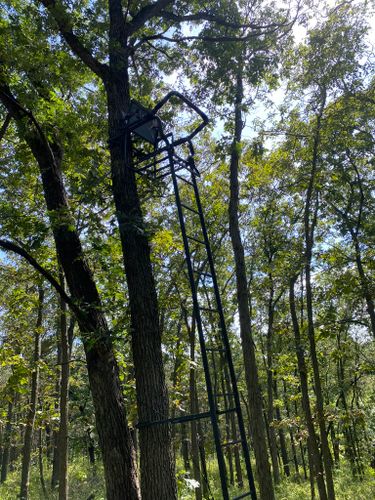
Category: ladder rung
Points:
column 175, row 420
column 231, row 443
column 184, row 180
column 195, row 239
column 190, row 208
column 223, row 412
column 247, row 494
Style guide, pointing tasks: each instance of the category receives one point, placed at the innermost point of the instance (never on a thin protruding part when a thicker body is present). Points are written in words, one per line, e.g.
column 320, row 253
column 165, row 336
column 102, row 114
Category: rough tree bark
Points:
column 251, row 371
column 114, row 435
column 156, row 456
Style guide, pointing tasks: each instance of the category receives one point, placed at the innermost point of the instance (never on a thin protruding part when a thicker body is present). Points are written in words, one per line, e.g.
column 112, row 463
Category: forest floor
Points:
column 86, row 481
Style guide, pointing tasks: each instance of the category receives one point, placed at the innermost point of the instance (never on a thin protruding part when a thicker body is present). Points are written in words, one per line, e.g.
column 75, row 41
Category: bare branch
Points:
column 208, row 38
column 64, row 24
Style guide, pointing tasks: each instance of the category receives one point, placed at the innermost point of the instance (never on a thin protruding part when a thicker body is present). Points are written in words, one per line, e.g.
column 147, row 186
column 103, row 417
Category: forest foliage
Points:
column 97, row 326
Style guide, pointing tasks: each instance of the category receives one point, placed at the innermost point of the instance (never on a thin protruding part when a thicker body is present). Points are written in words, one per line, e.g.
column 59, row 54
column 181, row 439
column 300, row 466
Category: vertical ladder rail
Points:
column 225, row 339
column 211, row 401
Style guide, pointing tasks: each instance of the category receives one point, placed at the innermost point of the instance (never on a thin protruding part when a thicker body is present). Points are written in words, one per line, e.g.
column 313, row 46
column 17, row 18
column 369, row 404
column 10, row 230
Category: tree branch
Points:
column 64, row 24
column 214, row 18
column 208, row 38
column 9, row 246
column 16, row 110
column 149, row 11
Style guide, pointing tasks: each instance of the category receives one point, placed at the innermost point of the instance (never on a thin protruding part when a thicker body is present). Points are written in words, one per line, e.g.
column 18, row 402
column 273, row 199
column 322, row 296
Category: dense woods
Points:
column 99, row 333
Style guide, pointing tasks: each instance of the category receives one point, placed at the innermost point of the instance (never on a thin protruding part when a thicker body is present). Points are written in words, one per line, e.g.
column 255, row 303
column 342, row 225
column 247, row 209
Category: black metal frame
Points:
column 159, row 163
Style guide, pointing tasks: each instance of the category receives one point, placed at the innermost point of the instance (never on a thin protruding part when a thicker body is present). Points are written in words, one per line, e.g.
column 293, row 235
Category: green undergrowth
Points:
column 87, row 482
column 84, row 480
column 346, row 487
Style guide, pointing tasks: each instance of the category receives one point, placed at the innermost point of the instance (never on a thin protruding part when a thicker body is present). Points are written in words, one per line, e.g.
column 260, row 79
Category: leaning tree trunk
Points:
column 30, row 419
column 251, row 371
column 111, row 421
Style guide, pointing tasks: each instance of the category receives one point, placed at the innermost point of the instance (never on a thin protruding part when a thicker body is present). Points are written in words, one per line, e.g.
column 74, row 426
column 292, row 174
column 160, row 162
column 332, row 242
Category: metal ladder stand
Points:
column 156, row 160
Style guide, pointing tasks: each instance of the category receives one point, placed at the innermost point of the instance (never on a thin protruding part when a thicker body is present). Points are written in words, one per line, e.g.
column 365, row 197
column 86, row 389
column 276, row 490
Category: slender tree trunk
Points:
column 309, row 226
column 251, row 371
column 234, row 435
column 114, row 435
column 283, row 450
column 30, row 419
column 64, row 401
column 270, row 388
column 193, row 407
column 292, row 441
column 41, row 466
column 316, row 467
column 55, row 433
column 7, row 442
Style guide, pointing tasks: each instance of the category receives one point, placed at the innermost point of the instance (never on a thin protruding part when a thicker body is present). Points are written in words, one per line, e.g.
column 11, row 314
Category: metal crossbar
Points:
column 163, row 161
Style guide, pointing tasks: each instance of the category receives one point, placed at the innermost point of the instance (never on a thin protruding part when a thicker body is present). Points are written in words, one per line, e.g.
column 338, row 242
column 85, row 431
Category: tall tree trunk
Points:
column 309, row 227
column 158, row 478
column 283, row 450
column 270, row 386
column 251, row 371
column 292, row 441
column 7, row 440
column 114, row 435
column 317, row 468
column 41, row 466
column 55, row 433
column 364, row 282
column 193, row 406
column 64, row 400
column 30, row 419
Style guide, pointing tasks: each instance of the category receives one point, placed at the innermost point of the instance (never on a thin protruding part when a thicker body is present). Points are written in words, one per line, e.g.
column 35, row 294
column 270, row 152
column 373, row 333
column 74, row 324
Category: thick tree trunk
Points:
column 251, row 371
column 158, row 478
column 317, row 468
column 114, row 435
column 30, row 419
